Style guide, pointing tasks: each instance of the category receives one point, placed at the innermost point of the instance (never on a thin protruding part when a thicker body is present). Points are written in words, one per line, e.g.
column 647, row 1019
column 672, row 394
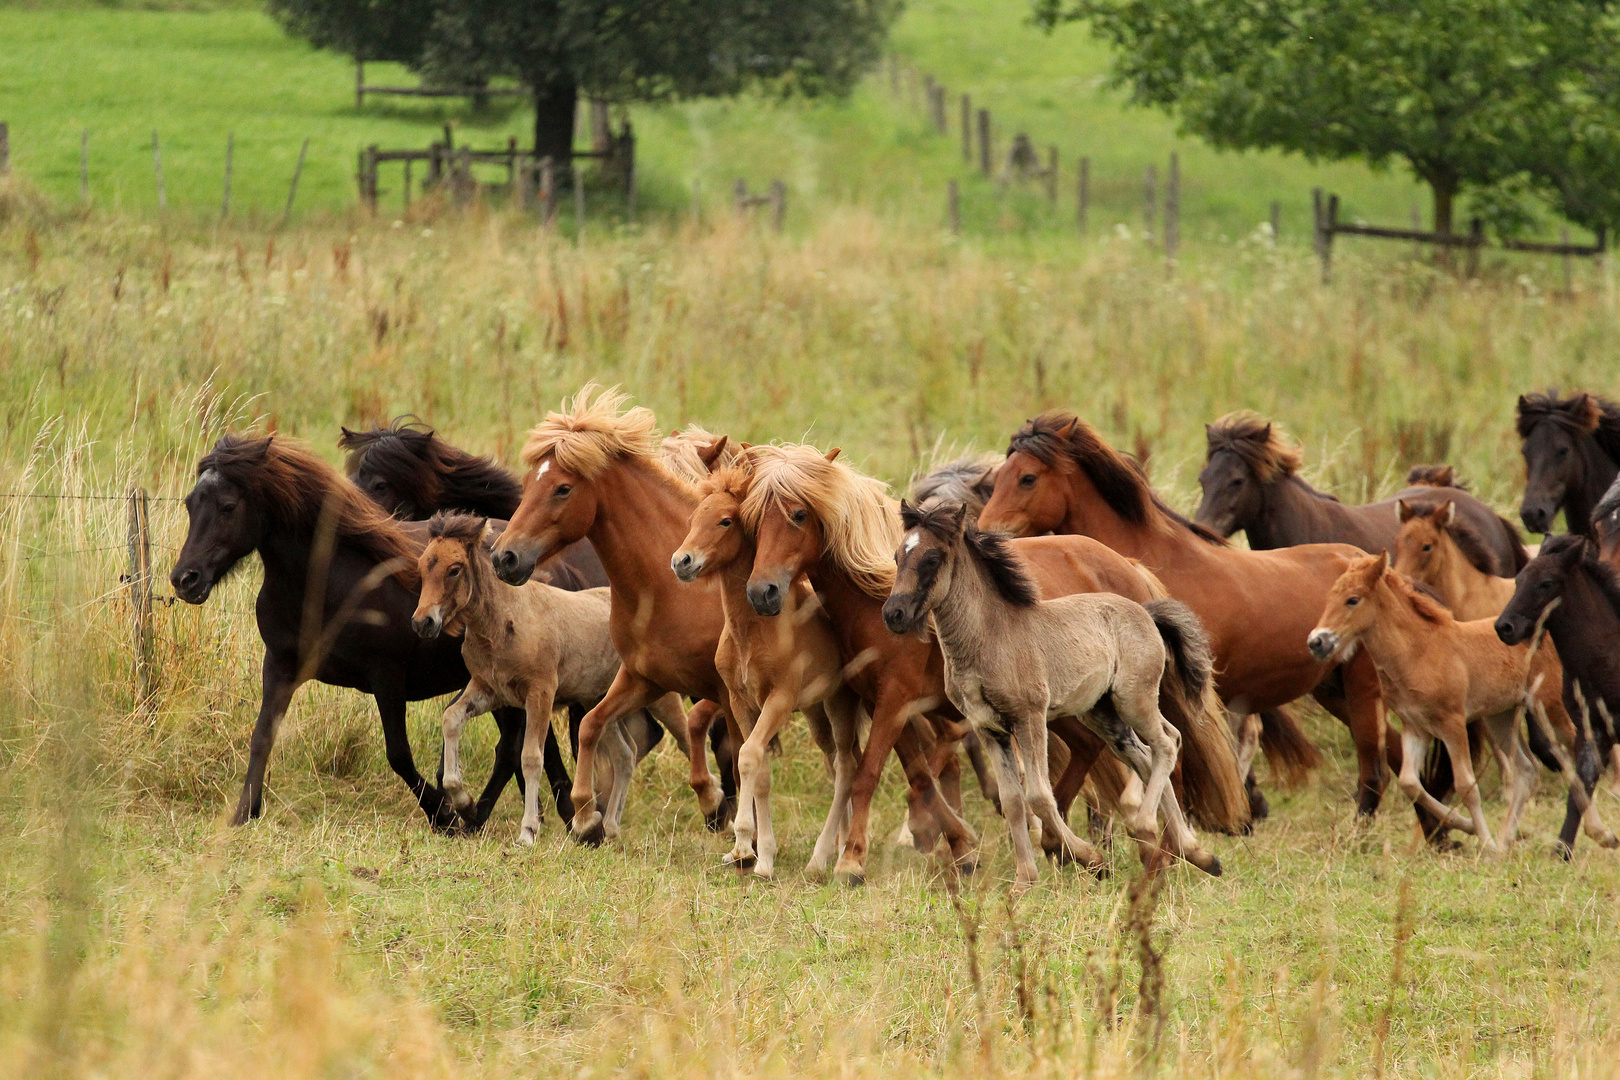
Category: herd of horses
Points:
column 1045, row 615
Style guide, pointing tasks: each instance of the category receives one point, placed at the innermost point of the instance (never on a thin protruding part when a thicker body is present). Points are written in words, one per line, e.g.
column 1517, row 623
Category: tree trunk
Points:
column 554, row 108
column 1445, row 193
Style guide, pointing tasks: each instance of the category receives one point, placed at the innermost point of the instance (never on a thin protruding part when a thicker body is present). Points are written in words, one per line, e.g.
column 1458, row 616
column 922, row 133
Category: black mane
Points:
column 429, row 472
column 1581, row 413
column 1004, row 568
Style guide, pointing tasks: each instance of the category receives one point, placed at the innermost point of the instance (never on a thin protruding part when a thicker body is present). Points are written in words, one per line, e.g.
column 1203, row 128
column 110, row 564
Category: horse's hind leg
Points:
column 1013, row 806
column 840, row 712
column 986, row 774
column 1518, row 769
column 711, row 800
column 1455, row 736
column 1031, row 732
column 1414, row 744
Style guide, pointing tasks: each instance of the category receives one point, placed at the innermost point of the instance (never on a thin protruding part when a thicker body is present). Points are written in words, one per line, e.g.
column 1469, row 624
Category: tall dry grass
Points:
column 137, row 936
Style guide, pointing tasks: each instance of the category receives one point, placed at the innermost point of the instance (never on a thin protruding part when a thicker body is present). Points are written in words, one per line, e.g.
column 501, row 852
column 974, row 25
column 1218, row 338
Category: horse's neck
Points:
column 642, row 516
column 1398, row 633
column 1597, row 476
column 1294, row 513
column 287, row 560
column 734, row 588
column 484, row 607
column 970, row 615
column 1460, row 580
column 1585, row 625
column 1160, row 546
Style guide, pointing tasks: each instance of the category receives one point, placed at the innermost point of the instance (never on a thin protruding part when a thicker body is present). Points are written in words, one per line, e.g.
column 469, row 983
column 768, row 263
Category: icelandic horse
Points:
column 1571, row 450
column 815, row 517
column 1013, row 661
column 1258, row 607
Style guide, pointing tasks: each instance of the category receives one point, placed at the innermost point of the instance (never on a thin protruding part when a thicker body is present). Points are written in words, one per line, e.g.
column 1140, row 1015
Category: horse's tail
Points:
column 1290, row 753
column 1214, row 791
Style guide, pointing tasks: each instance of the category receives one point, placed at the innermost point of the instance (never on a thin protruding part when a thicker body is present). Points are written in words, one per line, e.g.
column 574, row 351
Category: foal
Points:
column 1014, row 661
column 1437, row 674
column 771, row 667
column 534, row 647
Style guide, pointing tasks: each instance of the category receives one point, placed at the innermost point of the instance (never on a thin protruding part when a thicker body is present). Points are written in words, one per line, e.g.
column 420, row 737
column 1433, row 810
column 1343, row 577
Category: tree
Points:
column 1470, row 94
column 629, row 51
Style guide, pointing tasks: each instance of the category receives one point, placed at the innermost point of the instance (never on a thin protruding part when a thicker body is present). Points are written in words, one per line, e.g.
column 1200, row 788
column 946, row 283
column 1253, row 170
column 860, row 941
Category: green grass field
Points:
column 338, row 937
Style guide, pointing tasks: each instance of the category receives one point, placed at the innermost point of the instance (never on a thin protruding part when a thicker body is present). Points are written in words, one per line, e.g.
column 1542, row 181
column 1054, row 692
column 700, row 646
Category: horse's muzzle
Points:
column 685, row 566
column 1322, row 643
column 1512, row 631
column 897, row 616
column 510, row 567
column 1537, row 518
column 766, row 597
column 190, row 586
column 428, row 626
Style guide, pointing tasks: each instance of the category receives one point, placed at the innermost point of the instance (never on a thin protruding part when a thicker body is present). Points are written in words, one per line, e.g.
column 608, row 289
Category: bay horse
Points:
column 1570, row 590
column 1251, row 482
column 1571, row 447
column 1257, row 606
column 1013, row 660
column 595, row 469
column 1437, row 674
column 771, row 668
column 814, row 516
column 531, row 648
column 340, row 585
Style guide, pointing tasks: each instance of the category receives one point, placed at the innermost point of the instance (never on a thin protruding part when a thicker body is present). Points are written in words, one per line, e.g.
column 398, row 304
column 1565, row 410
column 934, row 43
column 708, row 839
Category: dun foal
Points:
column 534, row 647
column 1014, row 661
column 1436, row 673
column 771, row 667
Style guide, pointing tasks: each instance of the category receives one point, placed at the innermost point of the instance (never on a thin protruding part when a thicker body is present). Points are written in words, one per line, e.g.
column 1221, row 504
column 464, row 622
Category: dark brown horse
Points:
column 1251, row 483
column 340, row 586
column 1258, row 606
column 1571, row 449
column 1577, row 595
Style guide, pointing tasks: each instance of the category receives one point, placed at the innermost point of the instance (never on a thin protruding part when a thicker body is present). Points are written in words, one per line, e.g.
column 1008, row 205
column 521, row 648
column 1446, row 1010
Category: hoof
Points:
column 1100, row 870
column 1214, row 867
column 764, row 872
column 1445, row 845
column 590, row 836
column 526, row 836
column 851, row 879
column 742, row 860
column 968, row 867
column 1565, row 851
column 1609, row 841
column 459, row 798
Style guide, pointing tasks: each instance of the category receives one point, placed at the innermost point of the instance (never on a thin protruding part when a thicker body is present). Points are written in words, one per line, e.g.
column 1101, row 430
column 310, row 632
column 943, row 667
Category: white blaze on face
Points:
column 541, row 471
column 912, row 540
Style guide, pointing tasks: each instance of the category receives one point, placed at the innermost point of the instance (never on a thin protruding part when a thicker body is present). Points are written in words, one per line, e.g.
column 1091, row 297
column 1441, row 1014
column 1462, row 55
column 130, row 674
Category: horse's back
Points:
column 1062, row 565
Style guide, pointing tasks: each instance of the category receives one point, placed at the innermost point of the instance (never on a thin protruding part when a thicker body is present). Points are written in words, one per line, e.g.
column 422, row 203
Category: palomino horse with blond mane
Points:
column 596, row 470
column 816, row 517
column 1257, row 606
column 771, row 668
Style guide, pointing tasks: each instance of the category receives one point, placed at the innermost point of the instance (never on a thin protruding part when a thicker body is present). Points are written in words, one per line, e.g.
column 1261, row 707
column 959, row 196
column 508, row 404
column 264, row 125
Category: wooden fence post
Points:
column 953, row 206
column 1085, row 192
column 577, row 175
column 1051, row 176
column 928, row 95
column 157, row 169
column 1316, row 220
column 407, row 192
column 1276, row 221
column 84, row 166
column 1150, row 199
column 5, row 148
column 1476, row 240
column 1569, row 269
column 984, row 142
column 894, row 75
column 628, row 141
column 548, row 190
column 359, row 83
column 140, row 593
column 967, row 130
column 230, row 161
column 739, row 196
column 778, row 204
column 1172, row 207
column 1416, row 217
column 298, row 170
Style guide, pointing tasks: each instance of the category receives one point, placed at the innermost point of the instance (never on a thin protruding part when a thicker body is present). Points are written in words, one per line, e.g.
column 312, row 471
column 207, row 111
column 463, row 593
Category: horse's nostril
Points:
column 189, row 578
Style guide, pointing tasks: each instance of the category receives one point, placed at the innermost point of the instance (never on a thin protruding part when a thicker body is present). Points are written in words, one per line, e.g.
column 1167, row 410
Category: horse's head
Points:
column 448, row 574
column 1423, row 545
column 558, row 508
column 1554, row 432
column 1352, row 607
column 789, row 541
column 225, row 526
column 1538, row 587
column 714, row 539
column 393, row 466
column 924, row 563
column 1031, row 496
column 1233, row 494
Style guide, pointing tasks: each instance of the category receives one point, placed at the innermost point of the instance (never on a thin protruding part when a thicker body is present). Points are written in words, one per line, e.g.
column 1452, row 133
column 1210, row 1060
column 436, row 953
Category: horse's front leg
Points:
column 710, row 797
column 1031, row 732
column 278, row 681
column 1361, row 708
column 397, row 744
column 537, row 705
column 1414, row 744
column 475, row 700
column 629, row 692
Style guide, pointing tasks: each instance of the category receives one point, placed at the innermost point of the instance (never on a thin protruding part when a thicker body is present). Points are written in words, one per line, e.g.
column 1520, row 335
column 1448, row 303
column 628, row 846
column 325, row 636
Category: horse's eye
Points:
column 1563, row 452
column 1352, row 601
column 454, row 571
column 1237, row 482
column 1428, row 547
column 379, row 485
column 1544, row 584
column 1027, row 480
column 563, row 490
column 725, row 523
column 226, row 508
column 798, row 517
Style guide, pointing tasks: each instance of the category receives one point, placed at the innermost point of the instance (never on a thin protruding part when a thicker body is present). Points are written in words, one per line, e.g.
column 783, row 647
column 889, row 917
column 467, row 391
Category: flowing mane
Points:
column 680, row 452
column 860, row 523
column 1581, row 413
column 732, row 479
column 1606, row 576
column 1118, row 479
column 296, row 490
column 1005, row 570
column 1425, row 605
column 430, row 471
column 593, row 430
column 1263, row 446
column 451, row 525
column 967, row 480
column 1468, row 541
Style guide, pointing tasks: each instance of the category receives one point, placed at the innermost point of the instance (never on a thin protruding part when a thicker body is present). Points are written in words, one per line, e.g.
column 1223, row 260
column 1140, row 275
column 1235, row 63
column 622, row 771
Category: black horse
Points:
column 1578, row 595
column 340, row 586
column 1571, row 457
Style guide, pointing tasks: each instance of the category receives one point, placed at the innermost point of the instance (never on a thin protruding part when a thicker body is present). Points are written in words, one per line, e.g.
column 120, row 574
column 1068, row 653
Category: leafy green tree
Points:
column 1470, row 94
column 643, row 51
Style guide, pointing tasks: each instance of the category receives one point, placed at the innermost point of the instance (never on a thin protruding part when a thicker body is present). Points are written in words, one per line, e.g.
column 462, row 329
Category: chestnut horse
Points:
column 1571, row 449
column 816, row 517
column 1251, row 483
column 1257, row 606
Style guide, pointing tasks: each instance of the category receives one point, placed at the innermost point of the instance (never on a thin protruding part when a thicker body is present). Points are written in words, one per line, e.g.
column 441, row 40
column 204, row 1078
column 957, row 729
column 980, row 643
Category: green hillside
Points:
column 196, row 76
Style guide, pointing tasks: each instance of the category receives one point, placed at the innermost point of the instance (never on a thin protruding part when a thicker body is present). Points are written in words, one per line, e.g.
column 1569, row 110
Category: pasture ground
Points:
column 339, row 937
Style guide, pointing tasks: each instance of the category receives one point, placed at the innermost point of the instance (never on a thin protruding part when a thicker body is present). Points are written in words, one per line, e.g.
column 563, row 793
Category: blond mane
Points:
column 860, row 523
column 1263, row 446
column 593, row 430
column 680, row 452
column 1427, row 607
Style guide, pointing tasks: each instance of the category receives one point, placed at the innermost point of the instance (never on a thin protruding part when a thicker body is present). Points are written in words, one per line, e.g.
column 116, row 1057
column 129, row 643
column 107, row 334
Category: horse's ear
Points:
column 1403, row 510
column 1585, row 411
column 910, row 516
column 1381, row 567
column 711, row 453
column 1066, row 432
column 832, row 455
column 746, row 445
column 1446, row 514
column 674, row 432
column 956, row 518
column 1265, row 432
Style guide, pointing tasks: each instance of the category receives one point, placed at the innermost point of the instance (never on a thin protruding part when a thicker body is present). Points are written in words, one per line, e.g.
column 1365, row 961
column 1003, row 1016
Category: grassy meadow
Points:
column 339, row 937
